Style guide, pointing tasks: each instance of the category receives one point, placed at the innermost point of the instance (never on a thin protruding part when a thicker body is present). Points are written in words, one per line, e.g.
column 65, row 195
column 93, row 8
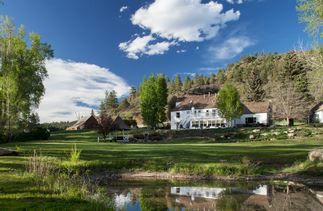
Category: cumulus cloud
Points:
column 74, row 87
column 123, row 8
column 179, row 21
column 230, row 48
column 142, row 45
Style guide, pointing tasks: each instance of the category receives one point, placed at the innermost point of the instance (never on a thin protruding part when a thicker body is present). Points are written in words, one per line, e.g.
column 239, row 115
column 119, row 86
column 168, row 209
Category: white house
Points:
column 199, row 111
column 317, row 113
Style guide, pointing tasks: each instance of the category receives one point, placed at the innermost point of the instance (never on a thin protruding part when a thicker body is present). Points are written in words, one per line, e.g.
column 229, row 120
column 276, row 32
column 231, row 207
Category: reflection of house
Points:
column 89, row 123
column 197, row 192
column 317, row 113
column 199, row 111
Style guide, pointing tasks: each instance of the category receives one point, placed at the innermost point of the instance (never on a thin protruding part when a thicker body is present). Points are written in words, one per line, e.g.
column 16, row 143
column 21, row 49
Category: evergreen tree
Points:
column 178, row 83
column 187, row 83
column 221, row 77
column 254, row 87
column 162, row 93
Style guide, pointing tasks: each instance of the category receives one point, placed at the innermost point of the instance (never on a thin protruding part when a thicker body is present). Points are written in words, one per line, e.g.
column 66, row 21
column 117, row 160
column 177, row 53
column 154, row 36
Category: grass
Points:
column 189, row 156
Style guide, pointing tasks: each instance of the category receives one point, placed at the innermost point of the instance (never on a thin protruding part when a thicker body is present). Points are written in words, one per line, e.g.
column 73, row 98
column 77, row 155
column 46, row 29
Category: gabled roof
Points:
column 255, row 107
column 318, row 107
column 187, row 102
column 119, row 124
column 81, row 121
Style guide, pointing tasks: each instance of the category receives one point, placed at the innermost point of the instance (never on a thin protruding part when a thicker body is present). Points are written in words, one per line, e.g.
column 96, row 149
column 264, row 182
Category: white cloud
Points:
column 142, row 45
column 123, row 8
column 235, row 1
column 181, row 51
column 74, row 87
column 159, row 48
column 230, row 48
column 180, row 21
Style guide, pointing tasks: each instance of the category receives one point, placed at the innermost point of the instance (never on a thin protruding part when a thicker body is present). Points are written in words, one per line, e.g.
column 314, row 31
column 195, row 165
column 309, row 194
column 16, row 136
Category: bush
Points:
column 38, row 133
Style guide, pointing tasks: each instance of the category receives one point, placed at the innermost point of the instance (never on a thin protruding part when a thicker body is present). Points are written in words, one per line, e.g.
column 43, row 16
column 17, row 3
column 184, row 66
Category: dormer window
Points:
column 178, row 115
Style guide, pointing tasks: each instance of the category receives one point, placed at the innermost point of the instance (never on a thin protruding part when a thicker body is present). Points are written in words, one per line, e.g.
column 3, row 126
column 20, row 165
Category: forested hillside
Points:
column 292, row 78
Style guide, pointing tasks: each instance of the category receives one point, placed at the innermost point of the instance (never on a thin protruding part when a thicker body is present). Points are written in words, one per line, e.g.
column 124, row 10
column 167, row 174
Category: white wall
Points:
column 262, row 118
column 319, row 115
column 201, row 115
column 188, row 116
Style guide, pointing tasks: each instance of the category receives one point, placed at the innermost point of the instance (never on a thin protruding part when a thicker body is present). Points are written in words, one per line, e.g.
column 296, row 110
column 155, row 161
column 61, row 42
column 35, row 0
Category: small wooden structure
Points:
column 89, row 123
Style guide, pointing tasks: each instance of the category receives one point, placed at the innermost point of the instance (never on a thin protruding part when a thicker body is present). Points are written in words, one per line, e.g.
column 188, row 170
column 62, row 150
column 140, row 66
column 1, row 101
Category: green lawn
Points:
column 184, row 156
column 273, row 153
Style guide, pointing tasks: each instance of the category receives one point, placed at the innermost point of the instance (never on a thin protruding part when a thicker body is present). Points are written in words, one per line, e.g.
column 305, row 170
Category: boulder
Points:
column 290, row 135
column 252, row 137
column 316, row 154
column 256, row 130
column 7, row 152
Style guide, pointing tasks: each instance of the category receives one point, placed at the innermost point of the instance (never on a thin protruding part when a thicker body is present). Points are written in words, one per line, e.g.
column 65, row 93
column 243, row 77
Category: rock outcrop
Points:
column 7, row 152
column 316, row 155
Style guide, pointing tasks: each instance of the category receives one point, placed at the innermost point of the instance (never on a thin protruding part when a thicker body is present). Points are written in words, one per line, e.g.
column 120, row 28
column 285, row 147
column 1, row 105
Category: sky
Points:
column 113, row 44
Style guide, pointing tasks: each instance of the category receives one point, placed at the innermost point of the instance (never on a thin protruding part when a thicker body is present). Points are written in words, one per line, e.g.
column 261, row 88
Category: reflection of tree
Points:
column 229, row 202
column 152, row 199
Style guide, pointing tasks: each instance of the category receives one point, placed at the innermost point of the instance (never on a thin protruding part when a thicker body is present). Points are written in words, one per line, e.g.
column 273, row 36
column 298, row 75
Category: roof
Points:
column 186, row 102
column 119, row 124
column 255, row 107
column 318, row 106
column 80, row 122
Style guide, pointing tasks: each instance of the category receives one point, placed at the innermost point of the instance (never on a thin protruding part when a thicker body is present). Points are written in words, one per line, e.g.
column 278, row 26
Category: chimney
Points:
column 209, row 94
column 204, row 96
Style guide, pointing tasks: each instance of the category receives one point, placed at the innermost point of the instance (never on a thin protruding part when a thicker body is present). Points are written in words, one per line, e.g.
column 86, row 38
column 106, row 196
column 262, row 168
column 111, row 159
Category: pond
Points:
column 192, row 195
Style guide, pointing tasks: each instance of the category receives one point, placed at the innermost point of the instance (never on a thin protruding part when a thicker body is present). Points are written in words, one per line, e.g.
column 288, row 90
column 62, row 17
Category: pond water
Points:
column 188, row 195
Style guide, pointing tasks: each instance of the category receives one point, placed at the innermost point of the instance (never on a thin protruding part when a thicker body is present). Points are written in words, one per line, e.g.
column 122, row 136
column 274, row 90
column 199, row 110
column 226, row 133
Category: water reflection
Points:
column 157, row 195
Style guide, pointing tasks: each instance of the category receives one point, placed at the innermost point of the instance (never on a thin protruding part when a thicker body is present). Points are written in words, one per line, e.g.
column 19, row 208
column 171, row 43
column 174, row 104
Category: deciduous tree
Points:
column 228, row 102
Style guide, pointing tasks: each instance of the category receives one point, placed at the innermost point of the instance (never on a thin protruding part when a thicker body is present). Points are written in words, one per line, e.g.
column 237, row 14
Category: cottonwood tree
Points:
column 22, row 72
column 288, row 102
column 228, row 102
column 311, row 13
column 153, row 100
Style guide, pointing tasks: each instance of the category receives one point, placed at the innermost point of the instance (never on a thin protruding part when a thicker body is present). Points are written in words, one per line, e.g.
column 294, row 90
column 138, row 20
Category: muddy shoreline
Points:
column 143, row 175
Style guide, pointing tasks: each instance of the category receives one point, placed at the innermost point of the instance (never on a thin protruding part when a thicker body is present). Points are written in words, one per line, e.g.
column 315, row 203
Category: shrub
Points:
column 38, row 133
column 75, row 154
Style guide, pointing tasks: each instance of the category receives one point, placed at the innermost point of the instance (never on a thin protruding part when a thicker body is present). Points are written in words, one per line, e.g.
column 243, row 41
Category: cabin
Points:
column 200, row 112
column 119, row 124
column 85, row 123
column 316, row 114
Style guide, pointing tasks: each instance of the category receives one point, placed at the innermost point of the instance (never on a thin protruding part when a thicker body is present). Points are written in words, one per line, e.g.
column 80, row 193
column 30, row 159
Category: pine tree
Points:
column 178, row 83
column 187, row 83
column 254, row 87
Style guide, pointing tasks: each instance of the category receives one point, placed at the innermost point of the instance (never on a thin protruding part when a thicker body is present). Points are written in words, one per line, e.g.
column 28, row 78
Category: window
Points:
column 178, row 114
column 195, row 124
column 213, row 112
column 251, row 120
column 178, row 190
column 207, row 112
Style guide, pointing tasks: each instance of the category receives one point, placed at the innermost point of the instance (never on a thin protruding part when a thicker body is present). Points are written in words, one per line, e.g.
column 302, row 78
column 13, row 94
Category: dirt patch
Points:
column 306, row 180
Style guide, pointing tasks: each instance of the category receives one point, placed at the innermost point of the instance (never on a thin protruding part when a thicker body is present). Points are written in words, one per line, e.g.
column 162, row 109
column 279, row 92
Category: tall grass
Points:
column 50, row 176
column 75, row 154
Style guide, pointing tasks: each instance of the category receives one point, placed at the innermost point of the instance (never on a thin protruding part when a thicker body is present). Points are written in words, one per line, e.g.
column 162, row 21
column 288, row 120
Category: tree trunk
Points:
column 290, row 122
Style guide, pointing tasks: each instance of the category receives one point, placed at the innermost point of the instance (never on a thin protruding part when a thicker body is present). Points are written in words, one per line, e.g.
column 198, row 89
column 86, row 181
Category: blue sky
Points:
column 150, row 37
